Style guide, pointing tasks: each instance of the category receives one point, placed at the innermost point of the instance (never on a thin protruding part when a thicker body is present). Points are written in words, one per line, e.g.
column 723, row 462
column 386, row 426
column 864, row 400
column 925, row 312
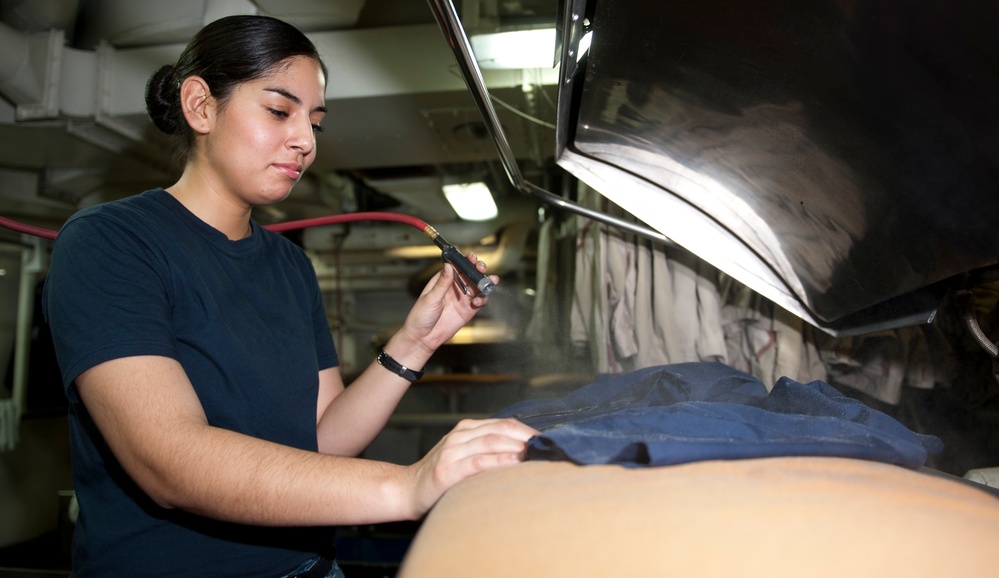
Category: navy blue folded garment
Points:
column 690, row 412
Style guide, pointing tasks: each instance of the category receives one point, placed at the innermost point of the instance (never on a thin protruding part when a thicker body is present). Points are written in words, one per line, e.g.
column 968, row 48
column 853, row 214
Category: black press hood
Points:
column 840, row 158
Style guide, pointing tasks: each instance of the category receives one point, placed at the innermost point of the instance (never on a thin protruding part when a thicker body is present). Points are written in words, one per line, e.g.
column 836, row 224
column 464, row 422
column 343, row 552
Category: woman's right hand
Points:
column 473, row 446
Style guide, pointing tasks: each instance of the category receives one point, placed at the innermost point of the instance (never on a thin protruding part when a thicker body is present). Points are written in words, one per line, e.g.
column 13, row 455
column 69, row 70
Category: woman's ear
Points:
column 194, row 102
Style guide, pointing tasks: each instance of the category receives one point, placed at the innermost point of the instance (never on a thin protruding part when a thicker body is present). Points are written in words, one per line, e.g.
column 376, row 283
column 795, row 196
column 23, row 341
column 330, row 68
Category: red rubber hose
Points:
column 278, row 227
column 450, row 254
column 348, row 217
column 29, row 229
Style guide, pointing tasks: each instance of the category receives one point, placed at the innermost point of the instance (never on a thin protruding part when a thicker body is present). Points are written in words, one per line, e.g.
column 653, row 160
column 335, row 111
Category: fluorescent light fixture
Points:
column 515, row 49
column 472, row 201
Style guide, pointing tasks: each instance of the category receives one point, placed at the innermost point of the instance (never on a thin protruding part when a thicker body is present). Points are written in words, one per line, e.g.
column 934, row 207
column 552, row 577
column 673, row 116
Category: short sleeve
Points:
column 106, row 296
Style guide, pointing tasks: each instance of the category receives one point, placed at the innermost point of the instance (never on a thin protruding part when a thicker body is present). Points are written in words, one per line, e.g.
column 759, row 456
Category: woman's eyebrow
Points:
column 293, row 98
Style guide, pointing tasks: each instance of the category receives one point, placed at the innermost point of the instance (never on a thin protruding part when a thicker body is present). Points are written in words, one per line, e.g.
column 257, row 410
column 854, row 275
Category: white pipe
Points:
column 32, row 264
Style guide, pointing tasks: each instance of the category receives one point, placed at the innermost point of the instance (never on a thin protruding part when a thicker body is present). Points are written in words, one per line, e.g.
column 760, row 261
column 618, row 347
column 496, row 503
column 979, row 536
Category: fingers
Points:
column 448, row 302
column 481, row 266
column 450, row 277
column 441, row 282
column 472, row 447
column 478, row 445
column 479, row 263
column 472, row 430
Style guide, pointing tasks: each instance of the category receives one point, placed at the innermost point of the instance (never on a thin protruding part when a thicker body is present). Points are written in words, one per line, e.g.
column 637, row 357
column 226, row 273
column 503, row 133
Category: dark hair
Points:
column 226, row 53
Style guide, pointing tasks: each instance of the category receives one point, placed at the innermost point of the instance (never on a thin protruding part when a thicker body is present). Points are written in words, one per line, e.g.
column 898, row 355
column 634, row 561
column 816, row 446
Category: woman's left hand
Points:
column 443, row 307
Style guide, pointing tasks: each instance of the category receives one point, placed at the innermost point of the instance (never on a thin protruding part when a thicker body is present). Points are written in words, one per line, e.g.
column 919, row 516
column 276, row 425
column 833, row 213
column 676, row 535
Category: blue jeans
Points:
column 335, row 571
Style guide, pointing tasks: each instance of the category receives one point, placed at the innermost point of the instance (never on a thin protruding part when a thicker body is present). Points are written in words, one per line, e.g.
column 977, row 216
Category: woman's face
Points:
column 263, row 139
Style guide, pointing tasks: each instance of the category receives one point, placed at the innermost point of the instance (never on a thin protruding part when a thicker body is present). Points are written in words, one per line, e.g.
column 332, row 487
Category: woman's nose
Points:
column 303, row 137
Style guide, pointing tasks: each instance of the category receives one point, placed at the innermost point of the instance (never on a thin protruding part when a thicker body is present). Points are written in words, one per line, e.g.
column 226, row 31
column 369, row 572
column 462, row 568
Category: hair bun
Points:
column 163, row 101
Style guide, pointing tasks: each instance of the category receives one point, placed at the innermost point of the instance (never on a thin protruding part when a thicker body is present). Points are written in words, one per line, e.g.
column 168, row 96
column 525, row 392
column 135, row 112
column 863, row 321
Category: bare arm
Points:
column 349, row 419
column 148, row 412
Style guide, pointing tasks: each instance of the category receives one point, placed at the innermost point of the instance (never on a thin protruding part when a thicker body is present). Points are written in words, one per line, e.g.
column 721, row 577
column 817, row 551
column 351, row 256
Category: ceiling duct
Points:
column 39, row 15
column 27, row 64
column 312, row 15
column 130, row 24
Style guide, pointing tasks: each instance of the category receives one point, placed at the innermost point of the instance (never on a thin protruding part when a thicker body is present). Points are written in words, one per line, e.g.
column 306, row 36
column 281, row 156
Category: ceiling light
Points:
column 515, row 49
column 472, row 201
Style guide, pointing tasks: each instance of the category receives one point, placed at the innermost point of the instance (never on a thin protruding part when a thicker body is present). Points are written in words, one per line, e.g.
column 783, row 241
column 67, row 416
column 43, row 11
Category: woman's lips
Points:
column 291, row 170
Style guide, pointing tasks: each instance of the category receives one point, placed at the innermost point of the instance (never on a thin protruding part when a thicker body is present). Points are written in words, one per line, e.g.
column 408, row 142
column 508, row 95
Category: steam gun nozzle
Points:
column 454, row 256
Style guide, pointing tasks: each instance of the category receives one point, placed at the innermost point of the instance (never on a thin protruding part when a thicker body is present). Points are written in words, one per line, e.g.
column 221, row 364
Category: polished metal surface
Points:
column 841, row 158
column 447, row 18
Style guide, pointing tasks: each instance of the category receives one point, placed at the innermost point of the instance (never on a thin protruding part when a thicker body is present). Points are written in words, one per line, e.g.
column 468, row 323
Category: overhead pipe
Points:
column 454, row 34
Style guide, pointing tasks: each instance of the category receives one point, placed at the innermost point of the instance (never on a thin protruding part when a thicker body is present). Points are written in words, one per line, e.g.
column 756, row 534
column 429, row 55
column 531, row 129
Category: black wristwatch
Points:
column 386, row 361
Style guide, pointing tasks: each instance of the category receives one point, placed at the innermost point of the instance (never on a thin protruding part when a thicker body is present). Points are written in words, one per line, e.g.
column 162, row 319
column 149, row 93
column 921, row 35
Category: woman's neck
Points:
column 208, row 204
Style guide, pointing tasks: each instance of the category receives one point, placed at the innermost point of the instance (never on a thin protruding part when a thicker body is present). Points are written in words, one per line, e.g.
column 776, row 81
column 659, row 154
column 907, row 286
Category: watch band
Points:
column 386, row 361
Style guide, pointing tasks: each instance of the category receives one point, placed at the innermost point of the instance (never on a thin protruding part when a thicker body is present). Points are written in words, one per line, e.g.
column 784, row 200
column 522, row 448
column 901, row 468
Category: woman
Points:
column 211, row 429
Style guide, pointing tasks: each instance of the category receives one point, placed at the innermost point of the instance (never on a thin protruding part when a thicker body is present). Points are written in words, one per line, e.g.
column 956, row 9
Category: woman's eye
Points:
column 278, row 113
column 317, row 128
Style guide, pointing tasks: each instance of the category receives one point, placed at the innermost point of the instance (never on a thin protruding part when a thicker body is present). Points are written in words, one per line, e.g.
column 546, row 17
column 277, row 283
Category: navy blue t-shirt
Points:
column 145, row 276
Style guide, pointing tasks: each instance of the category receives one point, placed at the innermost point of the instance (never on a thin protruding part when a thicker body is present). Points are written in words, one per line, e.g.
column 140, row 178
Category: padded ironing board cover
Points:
column 783, row 517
